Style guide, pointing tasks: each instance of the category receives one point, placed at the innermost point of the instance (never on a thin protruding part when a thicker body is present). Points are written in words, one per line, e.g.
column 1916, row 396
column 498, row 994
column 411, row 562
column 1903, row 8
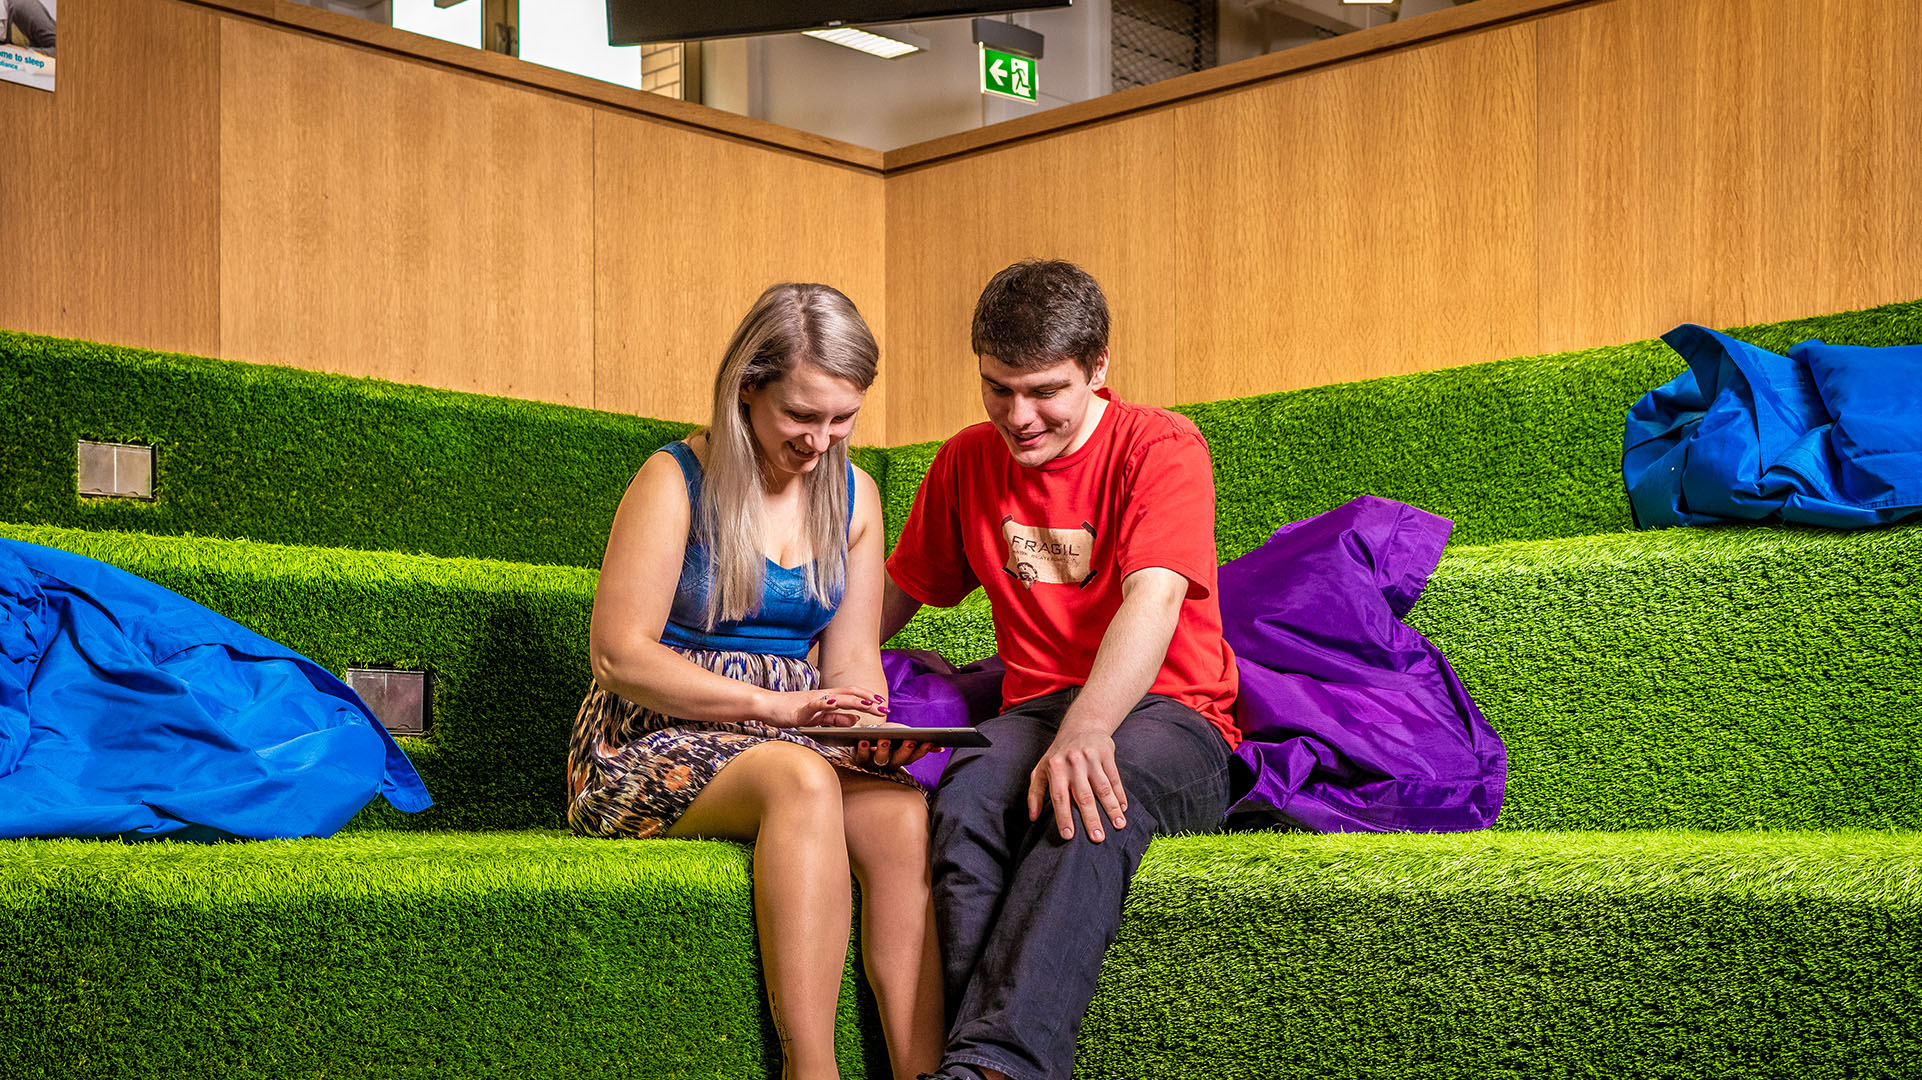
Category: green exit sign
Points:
column 1004, row 74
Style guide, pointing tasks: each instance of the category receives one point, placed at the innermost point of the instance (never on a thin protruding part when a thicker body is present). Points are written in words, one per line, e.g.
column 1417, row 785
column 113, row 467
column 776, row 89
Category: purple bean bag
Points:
column 1352, row 721
column 924, row 690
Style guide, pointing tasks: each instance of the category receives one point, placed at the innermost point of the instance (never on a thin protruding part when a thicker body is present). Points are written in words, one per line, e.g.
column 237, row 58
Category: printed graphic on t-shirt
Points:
column 1037, row 553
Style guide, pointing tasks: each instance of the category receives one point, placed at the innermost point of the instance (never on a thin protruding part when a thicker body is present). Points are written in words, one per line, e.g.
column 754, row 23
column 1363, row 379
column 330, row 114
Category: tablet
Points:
column 933, row 736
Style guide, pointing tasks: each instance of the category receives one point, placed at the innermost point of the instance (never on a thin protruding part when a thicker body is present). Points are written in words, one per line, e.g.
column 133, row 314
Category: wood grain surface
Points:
column 384, row 217
column 1725, row 162
column 1102, row 197
column 689, row 229
column 263, row 181
column 110, row 193
column 1371, row 219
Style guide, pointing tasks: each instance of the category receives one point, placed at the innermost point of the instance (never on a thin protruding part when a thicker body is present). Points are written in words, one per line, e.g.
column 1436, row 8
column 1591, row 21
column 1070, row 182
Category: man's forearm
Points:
column 897, row 607
column 1131, row 653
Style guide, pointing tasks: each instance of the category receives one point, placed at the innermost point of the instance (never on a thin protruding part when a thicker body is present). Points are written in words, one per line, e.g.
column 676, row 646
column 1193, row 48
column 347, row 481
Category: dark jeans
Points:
column 1025, row 915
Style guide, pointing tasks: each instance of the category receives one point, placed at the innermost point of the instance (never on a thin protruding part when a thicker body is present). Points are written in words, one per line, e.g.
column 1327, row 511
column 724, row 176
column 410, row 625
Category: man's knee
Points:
column 978, row 779
column 1127, row 843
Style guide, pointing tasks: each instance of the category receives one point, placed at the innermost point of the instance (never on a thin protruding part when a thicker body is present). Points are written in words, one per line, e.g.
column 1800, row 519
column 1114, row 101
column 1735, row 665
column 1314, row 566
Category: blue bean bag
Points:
column 1827, row 435
column 128, row 711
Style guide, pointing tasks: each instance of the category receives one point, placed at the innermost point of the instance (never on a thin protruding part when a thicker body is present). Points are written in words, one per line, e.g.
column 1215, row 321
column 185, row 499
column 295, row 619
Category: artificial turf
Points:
column 1713, row 680
column 386, row 956
column 1519, row 449
column 1516, row 955
column 1689, row 678
column 1244, row 958
column 277, row 454
column 1524, row 448
column 1734, row 678
column 303, row 457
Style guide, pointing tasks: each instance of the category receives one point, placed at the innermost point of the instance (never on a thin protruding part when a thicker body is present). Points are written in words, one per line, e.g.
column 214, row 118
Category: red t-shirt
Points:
column 1051, row 544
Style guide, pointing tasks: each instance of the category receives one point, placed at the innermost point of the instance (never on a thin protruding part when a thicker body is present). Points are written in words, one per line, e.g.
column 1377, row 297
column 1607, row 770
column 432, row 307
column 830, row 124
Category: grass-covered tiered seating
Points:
column 1708, row 863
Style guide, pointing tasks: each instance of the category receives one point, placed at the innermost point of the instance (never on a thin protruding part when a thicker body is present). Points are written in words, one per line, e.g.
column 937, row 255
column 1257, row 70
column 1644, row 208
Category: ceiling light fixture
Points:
column 894, row 43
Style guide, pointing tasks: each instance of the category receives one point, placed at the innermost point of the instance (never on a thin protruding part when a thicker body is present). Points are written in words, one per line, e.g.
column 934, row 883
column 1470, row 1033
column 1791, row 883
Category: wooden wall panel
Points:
column 1869, row 154
column 1365, row 220
column 1724, row 162
column 382, row 216
column 1101, row 197
column 211, row 182
column 689, row 229
column 1597, row 174
column 109, row 191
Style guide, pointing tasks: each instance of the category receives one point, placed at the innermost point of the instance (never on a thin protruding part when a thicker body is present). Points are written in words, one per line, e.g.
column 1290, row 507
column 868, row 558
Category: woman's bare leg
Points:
column 786, row 800
column 887, row 842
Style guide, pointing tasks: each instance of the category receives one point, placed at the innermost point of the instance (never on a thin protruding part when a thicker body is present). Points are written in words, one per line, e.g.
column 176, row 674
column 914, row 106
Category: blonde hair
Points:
column 791, row 324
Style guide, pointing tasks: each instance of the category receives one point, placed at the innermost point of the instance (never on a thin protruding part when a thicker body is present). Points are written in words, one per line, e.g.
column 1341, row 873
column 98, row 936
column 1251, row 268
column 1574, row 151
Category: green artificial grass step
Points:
column 1513, row 449
column 1688, row 678
column 1695, row 678
column 278, row 454
column 1527, row 448
column 506, row 643
column 1240, row 957
column 1727, row 678
column 385, row 955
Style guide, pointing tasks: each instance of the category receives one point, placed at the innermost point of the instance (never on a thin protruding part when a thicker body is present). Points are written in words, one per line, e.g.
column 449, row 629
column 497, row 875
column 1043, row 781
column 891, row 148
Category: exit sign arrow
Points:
column 1008, row 75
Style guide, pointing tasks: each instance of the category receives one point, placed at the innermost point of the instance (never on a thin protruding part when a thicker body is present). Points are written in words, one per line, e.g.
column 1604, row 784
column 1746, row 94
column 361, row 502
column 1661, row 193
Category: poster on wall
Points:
column 26, row 42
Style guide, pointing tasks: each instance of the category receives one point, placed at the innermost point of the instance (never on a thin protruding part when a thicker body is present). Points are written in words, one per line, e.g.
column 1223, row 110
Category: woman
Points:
column 732, row 553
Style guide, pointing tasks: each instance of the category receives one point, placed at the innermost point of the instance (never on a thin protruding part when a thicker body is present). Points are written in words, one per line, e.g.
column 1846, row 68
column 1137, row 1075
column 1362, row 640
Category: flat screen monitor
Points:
column 642, row 22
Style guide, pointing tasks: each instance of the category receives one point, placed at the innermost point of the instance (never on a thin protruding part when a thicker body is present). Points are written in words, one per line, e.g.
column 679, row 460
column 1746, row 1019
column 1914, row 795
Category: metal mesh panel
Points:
column 1159, row 39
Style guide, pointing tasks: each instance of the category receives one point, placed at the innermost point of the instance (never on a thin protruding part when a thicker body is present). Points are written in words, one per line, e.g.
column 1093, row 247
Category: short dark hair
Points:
column 1040, row 312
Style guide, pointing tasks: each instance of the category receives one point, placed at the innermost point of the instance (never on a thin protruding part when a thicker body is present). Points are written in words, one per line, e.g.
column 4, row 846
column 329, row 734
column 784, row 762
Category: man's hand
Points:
column 1079, row 772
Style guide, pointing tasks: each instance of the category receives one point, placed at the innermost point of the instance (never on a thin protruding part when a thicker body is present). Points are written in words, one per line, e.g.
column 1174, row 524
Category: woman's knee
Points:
column 799, row 779
column 896, row 812
column 775, row 779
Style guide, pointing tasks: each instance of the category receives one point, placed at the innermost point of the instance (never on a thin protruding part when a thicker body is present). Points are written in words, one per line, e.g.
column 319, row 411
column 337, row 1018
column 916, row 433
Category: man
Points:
column 1090, row 522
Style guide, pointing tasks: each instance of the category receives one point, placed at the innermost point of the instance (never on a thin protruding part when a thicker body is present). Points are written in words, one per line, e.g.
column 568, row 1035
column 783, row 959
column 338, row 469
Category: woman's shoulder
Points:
column 670, row 475
column 865, row 507
column 682, row 457
column 690, row 452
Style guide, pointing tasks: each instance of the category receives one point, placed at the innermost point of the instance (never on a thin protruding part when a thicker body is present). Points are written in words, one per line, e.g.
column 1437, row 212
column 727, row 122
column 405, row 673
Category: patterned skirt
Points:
column 632, row 772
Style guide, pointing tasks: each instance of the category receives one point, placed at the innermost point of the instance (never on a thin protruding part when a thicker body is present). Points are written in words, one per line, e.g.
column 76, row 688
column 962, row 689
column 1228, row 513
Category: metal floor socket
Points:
column 116, row 470
column 401, row 699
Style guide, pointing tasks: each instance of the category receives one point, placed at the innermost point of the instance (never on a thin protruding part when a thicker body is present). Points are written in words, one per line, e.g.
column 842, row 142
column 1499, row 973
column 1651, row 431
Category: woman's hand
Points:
column 839, row 706
column 899, row 755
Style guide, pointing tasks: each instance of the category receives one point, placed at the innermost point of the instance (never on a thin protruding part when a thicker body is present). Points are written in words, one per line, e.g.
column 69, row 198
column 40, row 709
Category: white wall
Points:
column 817, row 86
column 1250, row 28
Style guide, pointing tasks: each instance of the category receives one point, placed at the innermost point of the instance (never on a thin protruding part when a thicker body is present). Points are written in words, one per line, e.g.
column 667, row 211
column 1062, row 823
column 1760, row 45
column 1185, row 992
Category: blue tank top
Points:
column 789, row 619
